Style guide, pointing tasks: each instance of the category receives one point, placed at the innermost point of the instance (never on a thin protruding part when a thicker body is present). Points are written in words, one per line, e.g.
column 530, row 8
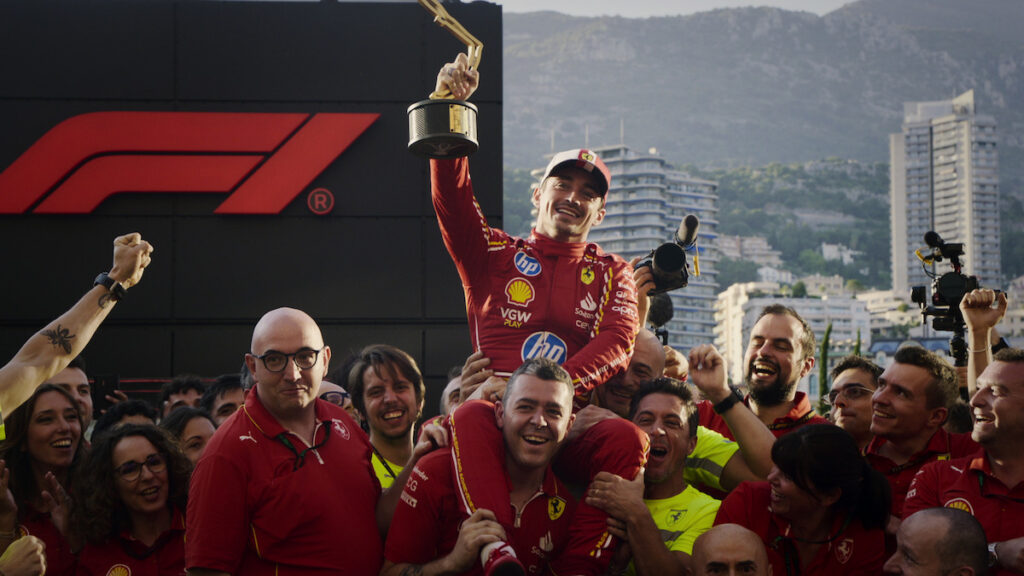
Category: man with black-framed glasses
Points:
column 854, row 380
column 285, row 485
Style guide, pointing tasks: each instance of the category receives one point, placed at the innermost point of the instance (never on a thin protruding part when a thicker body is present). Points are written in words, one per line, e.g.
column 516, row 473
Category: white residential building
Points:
column 647, row 201
column 945, row 178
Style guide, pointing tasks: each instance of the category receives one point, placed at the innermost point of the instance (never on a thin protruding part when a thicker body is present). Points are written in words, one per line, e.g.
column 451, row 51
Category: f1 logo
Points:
column 263, row 160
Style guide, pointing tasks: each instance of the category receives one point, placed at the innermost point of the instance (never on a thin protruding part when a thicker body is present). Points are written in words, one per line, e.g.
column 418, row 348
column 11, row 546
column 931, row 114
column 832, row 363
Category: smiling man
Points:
column 551, row 295
column 779, row 354
column 662, row 521
column 430, row 535
column 854, row 380
column 387, row 390
column 989, row 484
column 285, row 486
column 909, row 408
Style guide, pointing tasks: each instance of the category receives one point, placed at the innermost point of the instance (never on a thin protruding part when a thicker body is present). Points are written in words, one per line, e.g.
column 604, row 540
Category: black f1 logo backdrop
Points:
column 260, row 146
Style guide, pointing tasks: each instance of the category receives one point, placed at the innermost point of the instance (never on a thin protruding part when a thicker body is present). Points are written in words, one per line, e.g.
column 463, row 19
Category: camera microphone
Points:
column 933, row 240
column 661, row 310
column 686, row 235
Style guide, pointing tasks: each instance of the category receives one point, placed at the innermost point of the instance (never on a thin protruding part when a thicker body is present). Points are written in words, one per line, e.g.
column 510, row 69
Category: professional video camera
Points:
column 668, row 261
column 947, row 292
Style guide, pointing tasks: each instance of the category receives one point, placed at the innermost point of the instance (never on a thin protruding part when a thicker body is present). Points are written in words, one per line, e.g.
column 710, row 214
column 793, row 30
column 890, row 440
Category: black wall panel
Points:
column 374, row 269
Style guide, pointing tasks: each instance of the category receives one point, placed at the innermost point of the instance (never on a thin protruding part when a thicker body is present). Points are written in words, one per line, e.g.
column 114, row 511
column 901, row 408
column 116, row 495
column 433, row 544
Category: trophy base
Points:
column 442, row 128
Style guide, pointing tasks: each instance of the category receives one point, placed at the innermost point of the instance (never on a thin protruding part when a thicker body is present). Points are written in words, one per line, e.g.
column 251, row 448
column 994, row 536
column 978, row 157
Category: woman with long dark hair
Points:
column 823, row 509
column 191, row 428
column 40, row 456
column 130, row 501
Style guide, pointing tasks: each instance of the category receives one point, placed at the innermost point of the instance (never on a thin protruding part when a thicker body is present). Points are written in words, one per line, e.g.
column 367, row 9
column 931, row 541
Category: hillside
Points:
column 753, row 87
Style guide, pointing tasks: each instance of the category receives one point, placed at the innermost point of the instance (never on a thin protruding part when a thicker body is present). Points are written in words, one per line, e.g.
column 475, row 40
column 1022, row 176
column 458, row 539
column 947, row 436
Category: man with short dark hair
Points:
column 222, row 398
column 387, row 390
column 661, row 516
column 286, row 486
column 431, row 535
column 989, row 484
column 939, row 542
column 182, row 390
column 909, row 408
column 854, row 380
column 779, row 354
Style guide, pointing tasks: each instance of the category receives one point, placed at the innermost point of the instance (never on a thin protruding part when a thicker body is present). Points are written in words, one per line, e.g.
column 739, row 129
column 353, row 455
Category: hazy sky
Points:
column 645, row 8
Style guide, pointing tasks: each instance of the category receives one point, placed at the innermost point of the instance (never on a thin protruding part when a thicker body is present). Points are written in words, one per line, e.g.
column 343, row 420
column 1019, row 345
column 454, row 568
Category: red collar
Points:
column 552, row 247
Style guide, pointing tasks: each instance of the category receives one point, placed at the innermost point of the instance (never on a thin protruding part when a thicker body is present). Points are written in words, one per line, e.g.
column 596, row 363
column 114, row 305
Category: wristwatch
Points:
column 115, row 288
column 728, row 402
column 993, row 558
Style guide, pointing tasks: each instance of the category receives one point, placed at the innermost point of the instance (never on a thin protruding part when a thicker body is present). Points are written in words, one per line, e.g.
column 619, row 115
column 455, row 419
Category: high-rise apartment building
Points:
column 647, row 201
column 945, row 177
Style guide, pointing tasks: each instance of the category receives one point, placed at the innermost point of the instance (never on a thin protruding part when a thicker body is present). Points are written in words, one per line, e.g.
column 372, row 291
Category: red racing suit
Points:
column 569, row 302
column 529, row 297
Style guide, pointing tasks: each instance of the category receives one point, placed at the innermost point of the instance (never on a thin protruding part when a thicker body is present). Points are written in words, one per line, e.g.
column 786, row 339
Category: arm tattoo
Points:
column 105, row 299
column 412, row 570
column 60, row 337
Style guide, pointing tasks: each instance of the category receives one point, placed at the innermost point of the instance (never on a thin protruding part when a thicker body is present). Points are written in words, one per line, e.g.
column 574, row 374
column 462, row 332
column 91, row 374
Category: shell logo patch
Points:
column 556, row 506
column 119, row 570
column 844, row 550
column 960, row 504
column 587, row 275
column 519, row 292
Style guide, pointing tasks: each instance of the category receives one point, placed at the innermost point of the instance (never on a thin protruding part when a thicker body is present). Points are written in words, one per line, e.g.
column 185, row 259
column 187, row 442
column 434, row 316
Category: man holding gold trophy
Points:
column 551, row 295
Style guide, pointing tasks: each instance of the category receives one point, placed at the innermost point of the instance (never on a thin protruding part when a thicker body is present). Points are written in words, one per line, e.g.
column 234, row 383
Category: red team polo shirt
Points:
column 426, row 522
column 853, row 551
column 255, row 508
column 968, row 484
column 942, row 446
column 59, row 559
column 801, row 415
column 126, row 556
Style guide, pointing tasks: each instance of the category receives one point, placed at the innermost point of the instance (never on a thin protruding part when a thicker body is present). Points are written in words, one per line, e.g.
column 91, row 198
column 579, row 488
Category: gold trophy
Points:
column 441, row 126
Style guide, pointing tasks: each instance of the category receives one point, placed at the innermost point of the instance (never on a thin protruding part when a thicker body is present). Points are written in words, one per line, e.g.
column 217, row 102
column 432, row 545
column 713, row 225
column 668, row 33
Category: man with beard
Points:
column 662, row 516
column 780, row 353
column 387, row 389
column 908, row 410
column 854, row 380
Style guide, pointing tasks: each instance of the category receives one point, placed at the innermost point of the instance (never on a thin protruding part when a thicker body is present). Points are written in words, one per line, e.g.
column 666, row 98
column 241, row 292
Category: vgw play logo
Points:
column 263, row 161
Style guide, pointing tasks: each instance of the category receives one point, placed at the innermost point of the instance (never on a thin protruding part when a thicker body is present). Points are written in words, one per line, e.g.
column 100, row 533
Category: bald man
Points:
column 286, row 485
column 729, row 549
column 939, row 542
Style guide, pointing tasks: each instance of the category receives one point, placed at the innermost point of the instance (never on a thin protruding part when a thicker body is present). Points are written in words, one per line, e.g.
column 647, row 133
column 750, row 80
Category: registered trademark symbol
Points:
column 320, row 201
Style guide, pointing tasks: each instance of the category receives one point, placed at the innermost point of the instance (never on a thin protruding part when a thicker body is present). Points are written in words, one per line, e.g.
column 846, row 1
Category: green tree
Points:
column 823, row 371
column 799, row 290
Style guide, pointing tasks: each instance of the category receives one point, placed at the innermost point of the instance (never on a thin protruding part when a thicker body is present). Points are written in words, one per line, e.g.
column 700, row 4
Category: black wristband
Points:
column 115, row 288
column 731, row 400
column 1001, row 345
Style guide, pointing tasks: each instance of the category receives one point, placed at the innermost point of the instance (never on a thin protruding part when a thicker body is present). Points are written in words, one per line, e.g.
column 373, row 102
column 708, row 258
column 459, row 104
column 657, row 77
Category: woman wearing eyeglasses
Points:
column 129, row 506
column 41, row 453
column 823, row 509
column 191, row 428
